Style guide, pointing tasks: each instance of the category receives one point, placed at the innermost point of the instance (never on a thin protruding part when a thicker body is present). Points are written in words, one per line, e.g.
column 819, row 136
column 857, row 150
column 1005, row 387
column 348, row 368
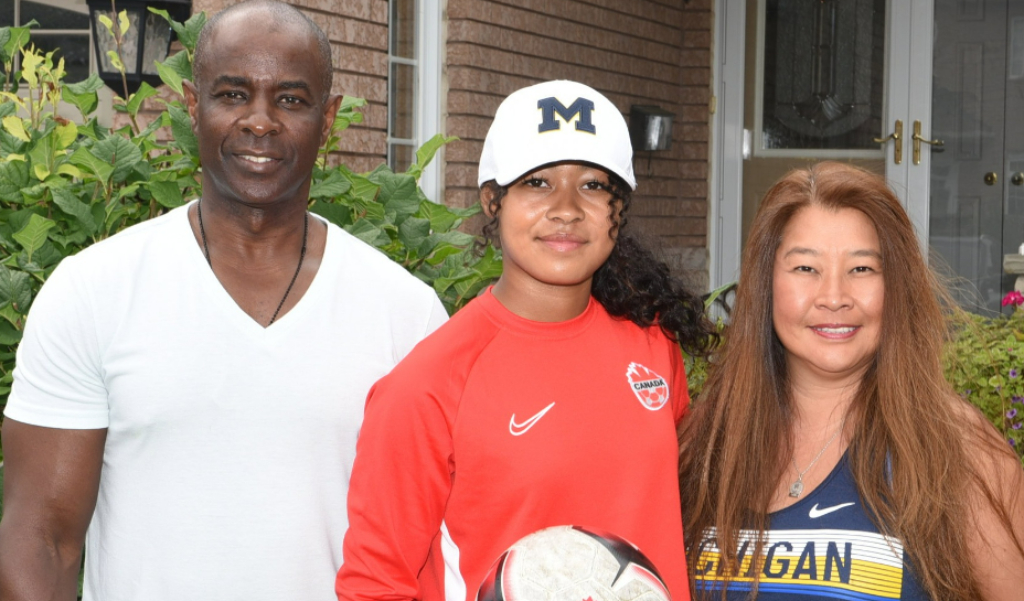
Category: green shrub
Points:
column 65, row 185
column 985, row 364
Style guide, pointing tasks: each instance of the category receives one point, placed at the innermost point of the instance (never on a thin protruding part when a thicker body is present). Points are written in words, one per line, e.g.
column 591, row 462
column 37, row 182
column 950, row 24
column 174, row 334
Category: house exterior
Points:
column 756, row 86
column 645, row 52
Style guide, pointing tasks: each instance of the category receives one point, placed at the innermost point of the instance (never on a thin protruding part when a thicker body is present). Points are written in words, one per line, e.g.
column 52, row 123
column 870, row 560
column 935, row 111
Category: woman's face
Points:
column 555, row 224
column 828, row 293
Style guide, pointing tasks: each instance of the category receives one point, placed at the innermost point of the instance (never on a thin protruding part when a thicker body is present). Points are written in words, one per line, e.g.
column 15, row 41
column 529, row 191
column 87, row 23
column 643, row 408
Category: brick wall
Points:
column 638, row 52
column 358, row 32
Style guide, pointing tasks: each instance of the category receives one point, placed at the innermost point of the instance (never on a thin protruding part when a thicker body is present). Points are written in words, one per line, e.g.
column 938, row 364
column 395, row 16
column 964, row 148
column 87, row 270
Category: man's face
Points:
column 259, row 111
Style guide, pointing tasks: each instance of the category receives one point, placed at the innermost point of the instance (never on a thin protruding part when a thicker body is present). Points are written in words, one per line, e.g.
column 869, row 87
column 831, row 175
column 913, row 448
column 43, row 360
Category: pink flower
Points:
column 1013, row 298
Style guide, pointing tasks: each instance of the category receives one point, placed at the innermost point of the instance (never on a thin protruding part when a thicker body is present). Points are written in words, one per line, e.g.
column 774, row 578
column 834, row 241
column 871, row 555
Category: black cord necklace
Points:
column 295, row 276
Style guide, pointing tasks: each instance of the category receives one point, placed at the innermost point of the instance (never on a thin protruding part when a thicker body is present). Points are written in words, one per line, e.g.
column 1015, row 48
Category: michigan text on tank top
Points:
column 824, row 547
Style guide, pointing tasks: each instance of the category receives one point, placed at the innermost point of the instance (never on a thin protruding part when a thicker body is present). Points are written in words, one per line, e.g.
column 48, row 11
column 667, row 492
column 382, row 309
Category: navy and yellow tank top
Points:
column 824, row 547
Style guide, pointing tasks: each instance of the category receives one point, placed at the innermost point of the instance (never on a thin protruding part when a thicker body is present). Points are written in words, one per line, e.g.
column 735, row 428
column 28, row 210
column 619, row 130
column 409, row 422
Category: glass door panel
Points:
column 814, row 89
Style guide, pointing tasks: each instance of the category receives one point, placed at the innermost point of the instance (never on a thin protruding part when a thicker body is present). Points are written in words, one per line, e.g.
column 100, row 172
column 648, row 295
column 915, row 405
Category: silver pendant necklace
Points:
column 797, row 488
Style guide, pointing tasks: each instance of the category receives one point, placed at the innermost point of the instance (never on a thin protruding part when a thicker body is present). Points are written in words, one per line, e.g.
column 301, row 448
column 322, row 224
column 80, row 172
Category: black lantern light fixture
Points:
column 650, row 127
column 148, row 39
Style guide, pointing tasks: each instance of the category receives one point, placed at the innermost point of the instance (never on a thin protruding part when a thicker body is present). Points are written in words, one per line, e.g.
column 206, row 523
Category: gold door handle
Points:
column 991, row 178
column 918, row 138
column 897, row 137
column 1017, row 179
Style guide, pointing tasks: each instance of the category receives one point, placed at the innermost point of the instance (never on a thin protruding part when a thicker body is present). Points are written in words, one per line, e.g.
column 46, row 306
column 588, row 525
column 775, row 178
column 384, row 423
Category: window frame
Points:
column 428, row 90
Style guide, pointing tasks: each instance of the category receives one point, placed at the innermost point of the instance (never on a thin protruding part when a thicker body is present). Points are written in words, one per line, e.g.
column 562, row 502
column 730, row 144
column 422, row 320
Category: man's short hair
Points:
column 283, row 13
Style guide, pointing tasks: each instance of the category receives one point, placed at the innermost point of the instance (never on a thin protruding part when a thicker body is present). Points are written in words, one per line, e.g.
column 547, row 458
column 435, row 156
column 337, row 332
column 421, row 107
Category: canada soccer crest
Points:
column 650, row 388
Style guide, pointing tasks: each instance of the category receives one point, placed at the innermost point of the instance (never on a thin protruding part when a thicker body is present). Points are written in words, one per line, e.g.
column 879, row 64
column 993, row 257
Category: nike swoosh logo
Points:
column 815, row 513
column 520, row 429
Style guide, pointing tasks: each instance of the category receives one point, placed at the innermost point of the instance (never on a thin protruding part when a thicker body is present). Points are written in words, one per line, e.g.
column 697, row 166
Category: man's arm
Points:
column 51, row 478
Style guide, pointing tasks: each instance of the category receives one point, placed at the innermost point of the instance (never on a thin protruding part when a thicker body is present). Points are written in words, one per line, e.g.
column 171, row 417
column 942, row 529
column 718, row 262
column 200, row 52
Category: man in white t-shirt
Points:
column 188, row 392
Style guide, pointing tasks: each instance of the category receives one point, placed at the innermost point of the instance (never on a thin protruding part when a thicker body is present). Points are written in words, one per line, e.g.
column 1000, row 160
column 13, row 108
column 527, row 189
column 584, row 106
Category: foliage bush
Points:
column 985, row 364
column 65, row 185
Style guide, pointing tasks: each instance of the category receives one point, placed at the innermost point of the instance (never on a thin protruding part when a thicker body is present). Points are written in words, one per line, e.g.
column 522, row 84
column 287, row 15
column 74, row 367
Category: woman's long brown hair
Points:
column 913, row 477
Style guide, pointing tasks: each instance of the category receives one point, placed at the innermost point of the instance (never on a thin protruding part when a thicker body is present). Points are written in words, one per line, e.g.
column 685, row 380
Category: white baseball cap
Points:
column 551, row 122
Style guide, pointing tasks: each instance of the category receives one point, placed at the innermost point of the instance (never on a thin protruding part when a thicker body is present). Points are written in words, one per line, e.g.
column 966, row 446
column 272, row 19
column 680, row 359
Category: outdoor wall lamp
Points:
column 147, row 40
column 650, row 127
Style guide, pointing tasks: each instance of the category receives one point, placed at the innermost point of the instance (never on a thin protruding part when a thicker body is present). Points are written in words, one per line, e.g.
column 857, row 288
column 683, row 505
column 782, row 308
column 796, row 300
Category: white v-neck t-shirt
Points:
column 229, row 445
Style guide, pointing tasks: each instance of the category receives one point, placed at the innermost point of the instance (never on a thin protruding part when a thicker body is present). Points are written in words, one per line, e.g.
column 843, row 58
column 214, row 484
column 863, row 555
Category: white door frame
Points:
column 725, row 216
column 909, row 98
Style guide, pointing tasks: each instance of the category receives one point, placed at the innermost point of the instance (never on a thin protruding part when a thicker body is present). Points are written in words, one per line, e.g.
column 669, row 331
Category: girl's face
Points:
column 555, row 226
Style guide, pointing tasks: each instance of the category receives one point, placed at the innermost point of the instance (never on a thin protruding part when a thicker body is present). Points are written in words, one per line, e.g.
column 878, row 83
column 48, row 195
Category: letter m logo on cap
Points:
column 582, row 109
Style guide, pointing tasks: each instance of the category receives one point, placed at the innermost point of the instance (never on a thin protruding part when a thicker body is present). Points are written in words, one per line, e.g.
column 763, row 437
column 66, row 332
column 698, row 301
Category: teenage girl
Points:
column 551, row 399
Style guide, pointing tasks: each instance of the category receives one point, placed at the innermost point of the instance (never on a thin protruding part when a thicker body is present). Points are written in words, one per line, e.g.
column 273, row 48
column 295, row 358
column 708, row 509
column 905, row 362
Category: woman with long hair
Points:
column 827, row 457
column 551, row 399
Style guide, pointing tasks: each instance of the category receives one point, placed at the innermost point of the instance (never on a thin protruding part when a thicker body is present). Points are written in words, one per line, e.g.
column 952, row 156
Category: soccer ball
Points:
column 569, row 563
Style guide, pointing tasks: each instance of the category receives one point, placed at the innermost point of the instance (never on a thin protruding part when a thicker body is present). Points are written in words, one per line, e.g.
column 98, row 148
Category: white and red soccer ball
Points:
column 569, row 563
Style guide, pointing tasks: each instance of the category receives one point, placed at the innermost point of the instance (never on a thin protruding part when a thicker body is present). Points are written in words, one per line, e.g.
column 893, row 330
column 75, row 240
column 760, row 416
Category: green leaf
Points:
column 93, row 83
column 33, row 235
column 181, row 127
column 339, row 215
column 33, row 192
column 122, row 22
column 86, row 160
column 373, row 211
column 40, row 171
column 368, row 232
column 16, row 289
column 5, row 36
column 7, row 108
column 47, row 255
column 66, row 134
column 69, row 170
column 457, row 238
column 135, row 102
column 16, row 127
column 426, row 153
column 13, row 317
column 129, row 193
column 115, row 60
column 83, row 94
column 363, row 189
column 333, row 186
column 194, row 25
column 14, row 176
column 436, row 252
column 443, row 218
column 10, row 147
column 398, row 193
column 187, row 32
column 413, row 231
column 347, row 113
column 180, row 67
column 9, row 335
column 41, row 155
column 717, row 292
column 69, row 203
column 169, row 76
column 18, row 38
column 167, row 194
column 119, row 152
